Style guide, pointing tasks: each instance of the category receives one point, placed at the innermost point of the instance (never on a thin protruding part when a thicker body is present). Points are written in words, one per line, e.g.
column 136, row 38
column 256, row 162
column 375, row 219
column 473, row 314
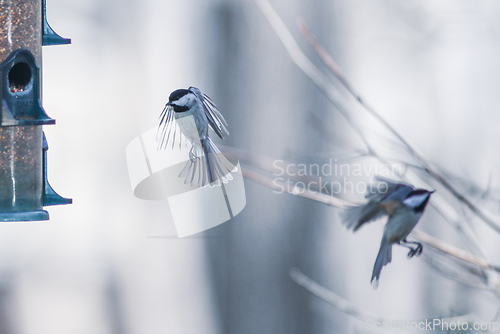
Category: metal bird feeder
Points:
column 24, row 188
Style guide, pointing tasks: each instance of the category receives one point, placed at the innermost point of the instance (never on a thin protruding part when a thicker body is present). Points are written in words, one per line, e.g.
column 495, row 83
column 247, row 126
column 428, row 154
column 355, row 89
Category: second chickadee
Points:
column 404, row 205
column 194, row 112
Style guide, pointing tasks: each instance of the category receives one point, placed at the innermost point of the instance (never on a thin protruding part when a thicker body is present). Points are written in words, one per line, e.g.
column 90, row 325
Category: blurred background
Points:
column 108, row 262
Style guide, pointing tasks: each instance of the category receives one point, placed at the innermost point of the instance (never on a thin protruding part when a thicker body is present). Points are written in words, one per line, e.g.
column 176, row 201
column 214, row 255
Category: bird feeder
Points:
column 24, row 188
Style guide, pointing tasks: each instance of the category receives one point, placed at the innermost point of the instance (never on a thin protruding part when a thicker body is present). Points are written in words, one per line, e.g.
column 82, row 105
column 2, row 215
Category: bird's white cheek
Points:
column 415, row 201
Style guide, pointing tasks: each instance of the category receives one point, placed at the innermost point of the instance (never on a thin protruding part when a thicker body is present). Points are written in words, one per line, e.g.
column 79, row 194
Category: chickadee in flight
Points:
column 404, row 205
column 194, row 112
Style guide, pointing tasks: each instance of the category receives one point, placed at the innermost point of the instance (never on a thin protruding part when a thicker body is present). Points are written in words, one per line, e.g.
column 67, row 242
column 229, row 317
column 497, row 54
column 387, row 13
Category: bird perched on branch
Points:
column 404, row 205
column 194, row 113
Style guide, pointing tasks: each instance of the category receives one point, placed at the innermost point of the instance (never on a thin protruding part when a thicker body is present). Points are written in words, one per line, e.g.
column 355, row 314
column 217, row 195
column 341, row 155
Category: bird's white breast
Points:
column 188, row 128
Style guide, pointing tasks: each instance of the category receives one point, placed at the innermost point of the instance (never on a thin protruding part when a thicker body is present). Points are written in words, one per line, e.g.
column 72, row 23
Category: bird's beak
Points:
column 432, row 191
column 169, row 103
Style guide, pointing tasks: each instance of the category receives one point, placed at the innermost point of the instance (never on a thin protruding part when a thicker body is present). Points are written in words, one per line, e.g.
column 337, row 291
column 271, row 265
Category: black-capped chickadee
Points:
column 194, row 112
column 404, row 205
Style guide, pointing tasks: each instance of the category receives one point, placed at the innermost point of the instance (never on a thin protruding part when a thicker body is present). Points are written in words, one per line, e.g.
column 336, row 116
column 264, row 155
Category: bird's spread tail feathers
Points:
column 207, row 166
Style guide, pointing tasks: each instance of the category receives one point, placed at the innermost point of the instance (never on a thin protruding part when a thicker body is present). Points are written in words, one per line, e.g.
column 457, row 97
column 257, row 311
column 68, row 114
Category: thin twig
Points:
column 457, row 276
column 301, row 60
column 293, row 189
column 325, row 56
column 314, row 183
column 450, row 249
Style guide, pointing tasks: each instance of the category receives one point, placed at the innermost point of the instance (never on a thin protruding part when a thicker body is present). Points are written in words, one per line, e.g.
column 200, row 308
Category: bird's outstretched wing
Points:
column 383, row 198
column 214, row 117
column 168, row 129
column 387, row 189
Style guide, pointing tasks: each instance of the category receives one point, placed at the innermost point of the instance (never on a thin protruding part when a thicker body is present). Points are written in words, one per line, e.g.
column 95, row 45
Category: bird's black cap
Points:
column 420, row 192
column 177, row 94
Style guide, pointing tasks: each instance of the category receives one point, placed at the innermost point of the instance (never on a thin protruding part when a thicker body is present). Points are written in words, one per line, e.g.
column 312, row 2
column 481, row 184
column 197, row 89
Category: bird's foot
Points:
column 419, row 249
column 415, row 251
column 412, row 253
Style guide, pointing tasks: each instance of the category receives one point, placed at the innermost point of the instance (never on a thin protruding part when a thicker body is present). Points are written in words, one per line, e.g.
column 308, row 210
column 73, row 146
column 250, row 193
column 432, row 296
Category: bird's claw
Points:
column 419, row 249
column 412, row 253
column 415, row 251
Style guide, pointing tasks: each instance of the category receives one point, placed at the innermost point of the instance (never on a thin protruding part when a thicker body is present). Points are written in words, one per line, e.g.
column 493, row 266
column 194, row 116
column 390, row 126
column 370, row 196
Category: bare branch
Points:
column 293, row 190
column 450, row 249
column 301, row 60
column 314, row 183
column 325, row 56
